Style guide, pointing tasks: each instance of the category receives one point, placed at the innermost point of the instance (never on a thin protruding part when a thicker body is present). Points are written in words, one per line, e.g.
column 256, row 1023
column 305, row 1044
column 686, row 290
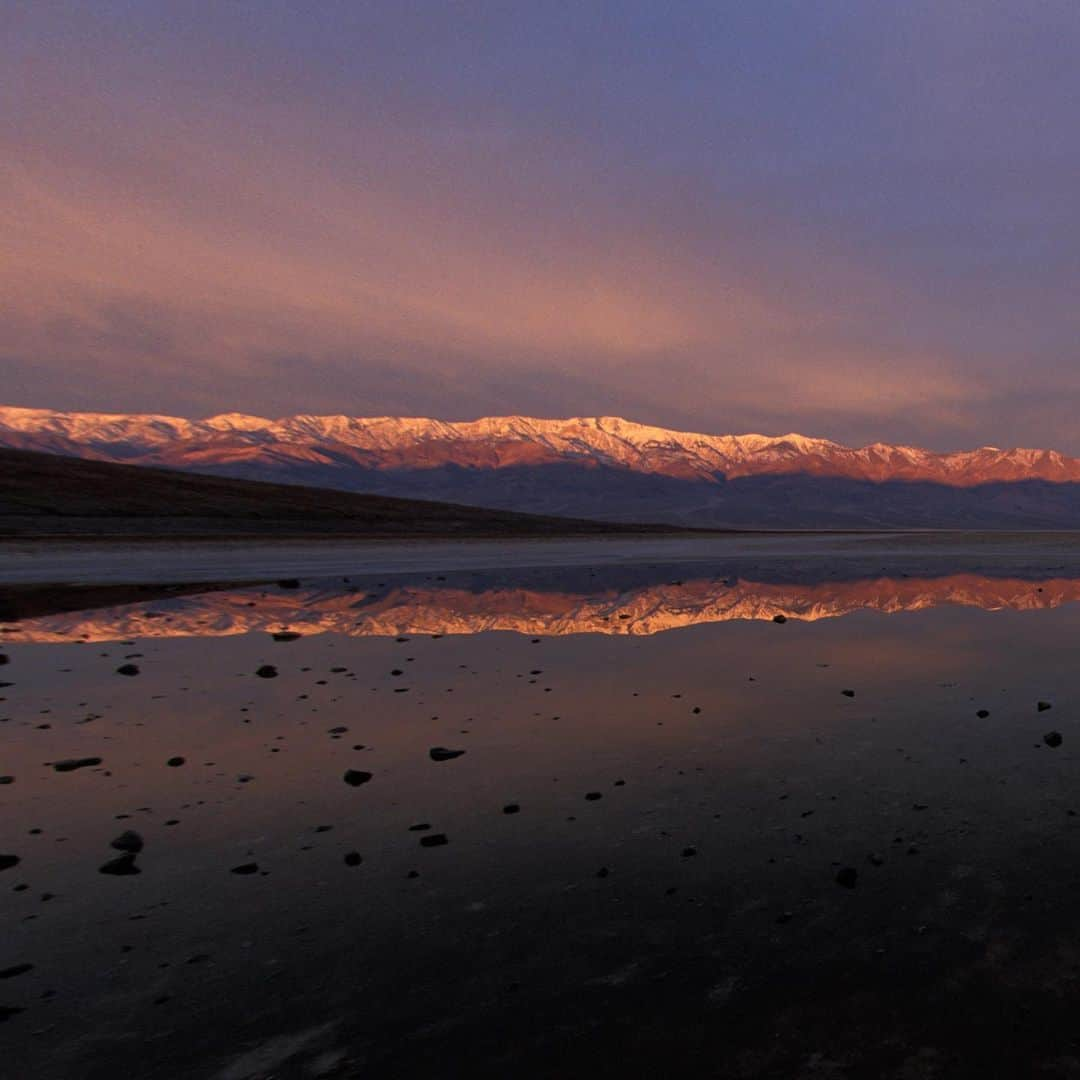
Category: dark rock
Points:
column 71, row 764
column 592, row 796
column 420, row 826
column 245, row 868
column 128, row 841
column 285, row 635
column 1053, row 738
column 848, row 693
column 1042, row 706
column 356, row 777
column 17, row 969
column 175, row 762
column 128, row 669
column 434, row 840
column 875, row 860
column 982, row 714
column 4, row 659
column 289, row 583
column 848, row 877
column 8, row 861
column 353, row 858
column 779, row 618
column 267, row 671
column 8, row 1011
column 7, row 779
column 687, row 852
column 511, row 808
column 121, row 866
column 440, row 753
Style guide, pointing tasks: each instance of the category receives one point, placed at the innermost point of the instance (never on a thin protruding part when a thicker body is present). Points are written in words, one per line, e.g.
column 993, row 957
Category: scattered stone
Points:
column 848, row 693
column 245, row 868
column 1042, row 706
column 128, row 841
column 267, row 671
column 441, row 753
column 434, row 840
column 71, row 764
column 121, row 866
column 512, row 808
column 128, row 669
column 875, row 860
column 1053, row 738
column 8, row 861
column 356, row 777
column 592, row 796
column 420, row 826
column 175, row 762
column 848, row 877
column 982, row 714
column 353, row 858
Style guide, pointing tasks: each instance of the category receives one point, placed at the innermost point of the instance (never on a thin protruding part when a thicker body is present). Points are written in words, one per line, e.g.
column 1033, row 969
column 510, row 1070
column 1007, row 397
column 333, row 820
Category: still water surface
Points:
column 686, row 780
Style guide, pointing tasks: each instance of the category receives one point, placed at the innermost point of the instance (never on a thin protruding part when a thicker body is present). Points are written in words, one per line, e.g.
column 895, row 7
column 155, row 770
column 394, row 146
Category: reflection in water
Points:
column 446, row 609
column 651, row 838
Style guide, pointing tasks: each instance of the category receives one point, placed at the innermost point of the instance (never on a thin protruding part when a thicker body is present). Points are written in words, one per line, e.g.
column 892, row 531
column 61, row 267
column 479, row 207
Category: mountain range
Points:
column 600, row 467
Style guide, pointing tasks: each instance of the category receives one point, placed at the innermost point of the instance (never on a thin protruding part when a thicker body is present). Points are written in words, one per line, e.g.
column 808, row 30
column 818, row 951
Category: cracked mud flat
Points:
column 680, row 851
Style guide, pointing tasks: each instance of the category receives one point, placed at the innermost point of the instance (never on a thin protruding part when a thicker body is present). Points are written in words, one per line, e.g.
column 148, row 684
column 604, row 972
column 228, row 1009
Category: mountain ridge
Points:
column 386, row 443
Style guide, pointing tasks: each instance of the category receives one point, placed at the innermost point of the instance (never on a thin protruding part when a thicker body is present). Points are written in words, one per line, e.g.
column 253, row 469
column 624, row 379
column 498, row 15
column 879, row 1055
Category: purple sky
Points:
column 854, row 219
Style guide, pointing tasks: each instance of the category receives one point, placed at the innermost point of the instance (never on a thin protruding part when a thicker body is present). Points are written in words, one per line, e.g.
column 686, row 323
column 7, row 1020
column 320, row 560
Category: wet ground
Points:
column 751, row 812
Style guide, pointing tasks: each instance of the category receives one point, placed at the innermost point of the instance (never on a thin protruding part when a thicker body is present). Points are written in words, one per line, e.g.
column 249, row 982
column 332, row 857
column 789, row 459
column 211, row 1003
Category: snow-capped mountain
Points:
column 387, row 442
column 599, row 466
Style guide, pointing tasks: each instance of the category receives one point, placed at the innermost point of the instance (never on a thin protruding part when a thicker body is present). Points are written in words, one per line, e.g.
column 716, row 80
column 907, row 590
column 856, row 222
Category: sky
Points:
column 857, row 219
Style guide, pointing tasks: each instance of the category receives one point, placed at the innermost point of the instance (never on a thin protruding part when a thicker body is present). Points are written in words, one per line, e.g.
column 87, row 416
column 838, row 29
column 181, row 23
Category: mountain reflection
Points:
column 452, row 609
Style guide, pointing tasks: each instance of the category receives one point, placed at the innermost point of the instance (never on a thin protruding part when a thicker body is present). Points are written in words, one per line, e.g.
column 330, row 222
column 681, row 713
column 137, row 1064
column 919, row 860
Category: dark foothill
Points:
column 982, row 714
column 267, row 671
column 175, row 762
column 289, row 583
column 71, row 764
column 848, row 877
column 356, row 777
column 1053, row 738
column 8, row 861
column 434, row 840
column 779, row 618
column 353, row 858
column 1042, row 706
column 128, row 669
column 592, row 796
column 285, row 635
column 128, row 841
column 245, row 868
column 121, row 866
column 848, row 693
column 441, row 753
column 511, row 808
column 17, row 969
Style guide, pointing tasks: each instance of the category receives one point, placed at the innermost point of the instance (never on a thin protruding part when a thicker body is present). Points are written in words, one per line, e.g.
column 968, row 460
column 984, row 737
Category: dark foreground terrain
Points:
column 47, row 495
column 759, row 817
